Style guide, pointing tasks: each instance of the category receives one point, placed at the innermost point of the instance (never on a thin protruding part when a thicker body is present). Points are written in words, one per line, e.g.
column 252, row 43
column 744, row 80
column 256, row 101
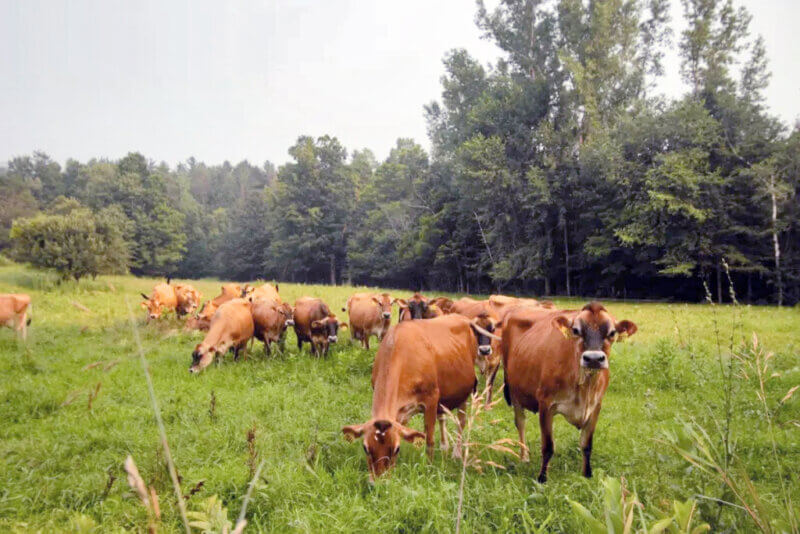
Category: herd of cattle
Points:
column 555, row 361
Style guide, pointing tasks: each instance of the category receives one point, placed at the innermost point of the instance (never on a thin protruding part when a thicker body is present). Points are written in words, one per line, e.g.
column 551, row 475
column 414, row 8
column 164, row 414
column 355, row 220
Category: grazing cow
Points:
column 270, row 320
column 556, row 362
column 314, row 323
column 421, row 366
column 231, row 328
column 266, row 291
column 188, row 298
column 14, row 310
column 369, row 314
column 162, row 299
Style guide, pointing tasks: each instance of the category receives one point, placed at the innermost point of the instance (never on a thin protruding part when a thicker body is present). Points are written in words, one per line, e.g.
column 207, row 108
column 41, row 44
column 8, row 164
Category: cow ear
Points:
column 403, row 303
column 411, row 435
column 562, row 323
column 375, row 300
column 352, row 432
column 625, row 329
column 143, row 305
column 343, row 325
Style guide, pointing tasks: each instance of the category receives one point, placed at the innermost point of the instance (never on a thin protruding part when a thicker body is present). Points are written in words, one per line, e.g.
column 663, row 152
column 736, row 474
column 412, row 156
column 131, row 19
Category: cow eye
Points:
column 576, row 331
column 612, row 334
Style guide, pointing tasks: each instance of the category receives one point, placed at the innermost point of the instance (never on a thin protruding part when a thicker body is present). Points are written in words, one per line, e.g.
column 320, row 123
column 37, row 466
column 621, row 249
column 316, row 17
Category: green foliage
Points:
column 622, row 513
column 73, row 241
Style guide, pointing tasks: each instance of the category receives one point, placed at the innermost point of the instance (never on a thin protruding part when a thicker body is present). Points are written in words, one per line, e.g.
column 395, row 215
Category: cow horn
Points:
column 485, row 332
column 145, row 297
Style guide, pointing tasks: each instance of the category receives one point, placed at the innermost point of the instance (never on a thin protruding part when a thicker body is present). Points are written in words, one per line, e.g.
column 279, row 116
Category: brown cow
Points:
column 229, row 292
column 266, row 291
column 314, row 323
column 417, row 307
column 370, row 314
column 421, row 366
column 270, row 320
column 556, row 362
column 162, row 299
column 471, row 308
column 231, row 328
column 14, row 309
column 188, row 298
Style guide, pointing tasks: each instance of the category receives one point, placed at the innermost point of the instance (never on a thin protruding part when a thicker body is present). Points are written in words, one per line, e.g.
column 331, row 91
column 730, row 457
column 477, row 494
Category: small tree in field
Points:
column 75, row 244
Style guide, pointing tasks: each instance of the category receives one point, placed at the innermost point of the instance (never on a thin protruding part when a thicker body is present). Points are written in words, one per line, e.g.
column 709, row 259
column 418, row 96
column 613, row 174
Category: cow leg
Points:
column 462, row 421
column 266, row 347
column 430, row 427
column 443, row 444
column 366, row 341
column 587, row 435
column 23, row 325
column 243, row 349
column 300, row 343
column 235, row 353
column 519, row 421
column 546, row 428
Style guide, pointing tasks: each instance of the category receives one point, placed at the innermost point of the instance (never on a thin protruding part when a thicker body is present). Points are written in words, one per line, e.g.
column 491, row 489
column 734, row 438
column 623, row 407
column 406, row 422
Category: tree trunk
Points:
column 719, row 282
column 749, row 288
column 775, row 242
column 333, row 269
column 566, row 256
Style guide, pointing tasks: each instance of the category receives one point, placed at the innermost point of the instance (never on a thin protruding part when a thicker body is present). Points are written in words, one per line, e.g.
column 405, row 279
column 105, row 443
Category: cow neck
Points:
column 385, row 401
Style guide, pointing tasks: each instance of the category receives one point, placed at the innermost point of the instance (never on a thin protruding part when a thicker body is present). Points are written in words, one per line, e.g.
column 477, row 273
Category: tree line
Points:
column 557, row 170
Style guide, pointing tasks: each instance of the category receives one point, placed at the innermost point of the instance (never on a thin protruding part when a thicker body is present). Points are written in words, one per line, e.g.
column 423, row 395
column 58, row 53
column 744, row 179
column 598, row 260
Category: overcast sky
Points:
column 242, row 80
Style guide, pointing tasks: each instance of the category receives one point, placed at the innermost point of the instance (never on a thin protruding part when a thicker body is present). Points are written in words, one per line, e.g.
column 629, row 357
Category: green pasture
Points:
column 66, row 426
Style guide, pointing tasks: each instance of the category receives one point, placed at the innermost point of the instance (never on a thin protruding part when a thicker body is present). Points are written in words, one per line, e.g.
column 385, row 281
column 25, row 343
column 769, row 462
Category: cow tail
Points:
column 506, row 391
column 30, row 314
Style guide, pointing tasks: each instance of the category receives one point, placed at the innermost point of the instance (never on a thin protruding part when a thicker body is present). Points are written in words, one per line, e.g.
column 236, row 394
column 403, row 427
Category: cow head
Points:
column 384, row 302
column 324, row 332
column 288, row 314
column 594, row 331
column 188, row 300
column 203, row 356
column 153, row 307
column 381, row 442
column 415, row 307
column 483, row 327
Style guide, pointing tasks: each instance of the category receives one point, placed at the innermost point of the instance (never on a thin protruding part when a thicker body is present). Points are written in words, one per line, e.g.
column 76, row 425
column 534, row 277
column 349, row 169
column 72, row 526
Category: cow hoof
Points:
column 542, row 479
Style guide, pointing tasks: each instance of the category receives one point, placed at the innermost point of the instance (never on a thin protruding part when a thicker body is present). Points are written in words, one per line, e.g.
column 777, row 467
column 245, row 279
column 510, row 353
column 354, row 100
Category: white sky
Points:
column 242, row 80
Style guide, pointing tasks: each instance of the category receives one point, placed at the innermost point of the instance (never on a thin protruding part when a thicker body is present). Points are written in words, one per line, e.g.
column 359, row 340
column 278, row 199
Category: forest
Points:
column 558, row 170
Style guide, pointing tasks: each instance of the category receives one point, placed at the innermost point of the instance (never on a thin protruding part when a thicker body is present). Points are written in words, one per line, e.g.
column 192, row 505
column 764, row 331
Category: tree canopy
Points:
column 556, row 170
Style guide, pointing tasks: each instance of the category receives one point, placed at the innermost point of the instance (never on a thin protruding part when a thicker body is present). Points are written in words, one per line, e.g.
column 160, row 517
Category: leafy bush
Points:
column 75, row 244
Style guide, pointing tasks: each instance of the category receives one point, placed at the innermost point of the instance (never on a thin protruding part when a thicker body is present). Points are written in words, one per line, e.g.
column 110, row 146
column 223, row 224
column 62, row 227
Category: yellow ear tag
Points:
column 565, row 331
column 418, row 441
column 622, row 337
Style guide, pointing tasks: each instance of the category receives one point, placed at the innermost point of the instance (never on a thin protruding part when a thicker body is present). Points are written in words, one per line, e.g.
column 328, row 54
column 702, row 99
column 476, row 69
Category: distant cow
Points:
column 162, row 299
column 314, row 323
column 229, row 292
column 266, row 291
column 369, row 314
column 417, row 307
column 14, row 310
column 270, row 320
column 421, row 366
column 188, row 298
column 231, row 328
column 557, row 362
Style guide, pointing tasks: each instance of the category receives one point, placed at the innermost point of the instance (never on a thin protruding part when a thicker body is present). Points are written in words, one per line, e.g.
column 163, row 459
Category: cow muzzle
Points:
column 333, row 339
column 289, row 322
column 387, row 315
column 594, row 359
column 485, row 350
column 193, row 370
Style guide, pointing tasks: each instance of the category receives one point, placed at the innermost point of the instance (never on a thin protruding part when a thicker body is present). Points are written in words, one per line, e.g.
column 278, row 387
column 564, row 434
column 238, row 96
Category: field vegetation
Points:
column 686, row 388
